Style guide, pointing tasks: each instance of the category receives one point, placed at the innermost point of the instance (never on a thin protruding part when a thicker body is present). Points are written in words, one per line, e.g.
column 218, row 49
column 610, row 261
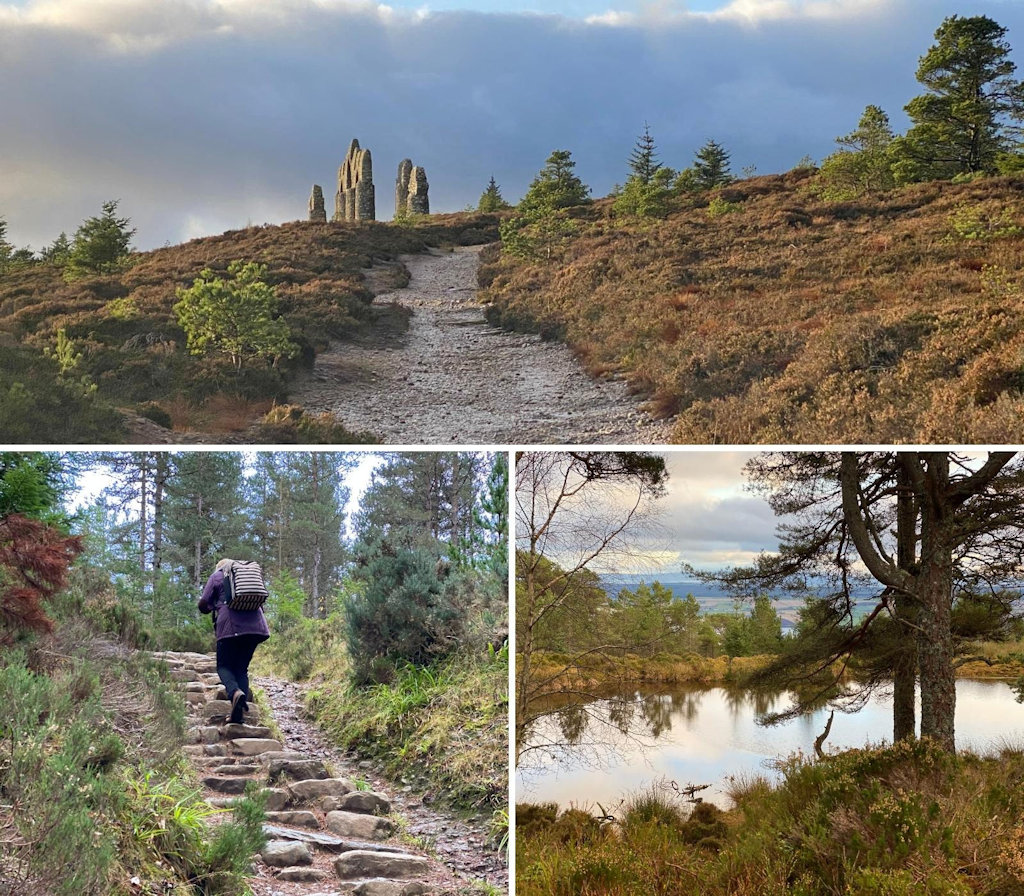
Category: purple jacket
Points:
column 231, row 622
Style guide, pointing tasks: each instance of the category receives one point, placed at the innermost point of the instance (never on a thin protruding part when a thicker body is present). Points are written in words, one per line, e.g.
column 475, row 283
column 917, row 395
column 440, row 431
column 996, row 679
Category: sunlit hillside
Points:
column 761, row 313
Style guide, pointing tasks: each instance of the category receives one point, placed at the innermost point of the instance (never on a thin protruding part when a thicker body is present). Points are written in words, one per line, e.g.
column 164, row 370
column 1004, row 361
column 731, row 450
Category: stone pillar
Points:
column 402, row 187
column 411, row 190
column 317, row 212
column 354, row 200
column 419, row 204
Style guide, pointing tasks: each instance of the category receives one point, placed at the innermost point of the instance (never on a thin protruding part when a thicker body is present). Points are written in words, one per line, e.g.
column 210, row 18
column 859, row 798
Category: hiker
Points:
column 239, row 632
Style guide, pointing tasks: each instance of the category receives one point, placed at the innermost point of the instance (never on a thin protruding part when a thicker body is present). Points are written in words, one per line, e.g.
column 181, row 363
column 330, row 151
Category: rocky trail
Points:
column 331, row 827
column 454, row 379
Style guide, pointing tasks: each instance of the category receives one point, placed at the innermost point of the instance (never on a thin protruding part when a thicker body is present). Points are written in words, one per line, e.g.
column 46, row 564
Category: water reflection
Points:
column 622, row 742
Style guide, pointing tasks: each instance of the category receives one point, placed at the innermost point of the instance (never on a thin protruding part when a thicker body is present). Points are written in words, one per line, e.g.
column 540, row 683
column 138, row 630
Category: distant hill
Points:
column 714, row 599
column 125, row 349
column 761, row 313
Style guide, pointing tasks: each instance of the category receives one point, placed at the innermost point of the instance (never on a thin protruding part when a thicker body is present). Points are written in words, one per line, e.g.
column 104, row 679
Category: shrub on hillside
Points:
column 37, row 406
column 401, row 615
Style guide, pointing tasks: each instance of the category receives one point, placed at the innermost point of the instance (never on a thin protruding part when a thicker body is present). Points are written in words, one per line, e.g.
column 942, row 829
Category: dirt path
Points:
column 330, row 819
column 454, row 379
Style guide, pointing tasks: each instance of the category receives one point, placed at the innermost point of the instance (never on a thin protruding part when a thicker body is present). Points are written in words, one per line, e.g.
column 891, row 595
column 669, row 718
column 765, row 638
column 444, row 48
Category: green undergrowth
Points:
column 446, row 725
column 901, row 820
column 95, row 794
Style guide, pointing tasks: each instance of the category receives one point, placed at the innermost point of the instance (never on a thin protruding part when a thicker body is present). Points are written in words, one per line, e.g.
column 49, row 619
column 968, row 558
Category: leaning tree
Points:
column 926, row 528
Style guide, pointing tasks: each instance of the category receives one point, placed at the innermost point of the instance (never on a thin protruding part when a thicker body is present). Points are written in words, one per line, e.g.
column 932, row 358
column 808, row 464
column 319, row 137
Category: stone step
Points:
column 286, row 853
column 267, row 758
column 238, row 769
column 301, row 818
column 297, row 769
column 316, row 788
column 219, row 712
column 381, row 887
column 302, row 875
column 225, row 785
column 238, row 729
column 203, row 734
column 366, row 801
column 363, row 864
column 327, row 841
column 252, row 746
column 276, row 800
column 358, row 824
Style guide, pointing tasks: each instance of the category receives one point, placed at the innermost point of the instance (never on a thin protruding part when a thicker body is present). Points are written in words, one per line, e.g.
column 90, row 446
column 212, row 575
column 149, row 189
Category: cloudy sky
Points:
column 709, row 518
column 205, row 115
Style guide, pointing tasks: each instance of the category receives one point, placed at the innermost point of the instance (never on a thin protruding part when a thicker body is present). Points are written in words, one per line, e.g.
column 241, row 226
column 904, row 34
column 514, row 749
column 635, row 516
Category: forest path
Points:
column 454, row 379
column 327, row 815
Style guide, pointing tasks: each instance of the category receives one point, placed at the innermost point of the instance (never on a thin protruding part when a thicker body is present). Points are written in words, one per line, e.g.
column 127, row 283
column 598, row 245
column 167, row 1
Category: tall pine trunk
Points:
column 904, row 672
column 935, row 645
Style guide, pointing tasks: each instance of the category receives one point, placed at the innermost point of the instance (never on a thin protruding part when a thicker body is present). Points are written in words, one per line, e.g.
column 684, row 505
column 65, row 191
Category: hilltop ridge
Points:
column 762, row 313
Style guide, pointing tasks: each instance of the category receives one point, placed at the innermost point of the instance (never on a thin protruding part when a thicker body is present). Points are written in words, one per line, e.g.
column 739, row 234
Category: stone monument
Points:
column 317, row 212
column 411, row 190
column 354, row 200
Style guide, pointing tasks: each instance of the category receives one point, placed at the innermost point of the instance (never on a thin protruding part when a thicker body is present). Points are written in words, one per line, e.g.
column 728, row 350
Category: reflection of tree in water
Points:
column 686, row 704
column 572, row 722
column 632, row 715
column 587, row 723
column 656, row 712
column 621, row 712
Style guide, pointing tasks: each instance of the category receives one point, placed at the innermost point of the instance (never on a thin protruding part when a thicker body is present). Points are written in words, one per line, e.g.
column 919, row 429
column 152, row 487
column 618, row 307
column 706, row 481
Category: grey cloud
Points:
column 201, row 116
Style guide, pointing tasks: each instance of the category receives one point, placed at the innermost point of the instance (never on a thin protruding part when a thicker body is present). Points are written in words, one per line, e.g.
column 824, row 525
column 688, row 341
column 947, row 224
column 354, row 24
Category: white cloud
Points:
column 228, row 110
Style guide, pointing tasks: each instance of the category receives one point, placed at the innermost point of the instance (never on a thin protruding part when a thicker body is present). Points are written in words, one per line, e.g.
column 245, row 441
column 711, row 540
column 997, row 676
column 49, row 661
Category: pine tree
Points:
column 491, row 199
column 711, row 166
column 556, row 185
column 541, row 224
column 643, row 160
column 6, row 249
column 59, row 251
column 966, row 120
column 865, row 162
column 302, row 504
column 202, row 518
column 646, row 191
column 101, row 243
column 238, row 317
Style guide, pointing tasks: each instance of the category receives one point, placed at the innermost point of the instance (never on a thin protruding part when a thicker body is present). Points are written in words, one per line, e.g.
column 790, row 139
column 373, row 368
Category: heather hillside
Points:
column 761, row 312
column 77, row 351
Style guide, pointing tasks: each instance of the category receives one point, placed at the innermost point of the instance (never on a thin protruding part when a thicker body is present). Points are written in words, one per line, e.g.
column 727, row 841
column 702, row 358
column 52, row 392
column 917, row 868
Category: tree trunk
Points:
column 198, row 571
column 904, row 672
column 935, row 650
column 938, row 678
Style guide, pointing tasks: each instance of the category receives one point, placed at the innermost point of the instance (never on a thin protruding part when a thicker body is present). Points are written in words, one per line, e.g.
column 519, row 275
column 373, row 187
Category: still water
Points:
column 703, row 736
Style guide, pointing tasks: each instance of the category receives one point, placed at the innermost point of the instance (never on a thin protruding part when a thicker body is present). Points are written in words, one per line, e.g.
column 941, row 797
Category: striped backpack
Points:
column 245, row 586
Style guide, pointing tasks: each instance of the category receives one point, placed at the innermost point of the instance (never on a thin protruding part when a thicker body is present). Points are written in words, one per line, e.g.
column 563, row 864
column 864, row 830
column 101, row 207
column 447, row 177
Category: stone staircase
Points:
column 321, row 830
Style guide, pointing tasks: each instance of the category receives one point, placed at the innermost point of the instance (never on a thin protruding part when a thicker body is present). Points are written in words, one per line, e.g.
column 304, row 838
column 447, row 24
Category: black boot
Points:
column 237, row 705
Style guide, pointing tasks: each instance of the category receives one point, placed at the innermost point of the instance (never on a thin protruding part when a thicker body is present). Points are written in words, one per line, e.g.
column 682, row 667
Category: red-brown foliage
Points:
column 34, row 561
column 791, row 319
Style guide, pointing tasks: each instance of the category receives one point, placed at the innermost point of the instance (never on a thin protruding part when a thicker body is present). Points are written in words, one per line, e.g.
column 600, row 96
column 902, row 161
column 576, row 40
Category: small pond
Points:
column 631, row 740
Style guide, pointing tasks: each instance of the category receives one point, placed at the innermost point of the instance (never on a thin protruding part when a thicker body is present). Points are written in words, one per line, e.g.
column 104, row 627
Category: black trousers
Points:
column 233, row 658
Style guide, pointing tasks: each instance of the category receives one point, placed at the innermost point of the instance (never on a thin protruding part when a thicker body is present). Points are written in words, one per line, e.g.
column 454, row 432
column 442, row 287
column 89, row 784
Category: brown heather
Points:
column 131, row 346
column 892, row 319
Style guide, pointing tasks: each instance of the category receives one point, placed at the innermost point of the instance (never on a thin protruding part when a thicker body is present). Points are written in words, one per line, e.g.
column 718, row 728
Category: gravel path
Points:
column 454, row 379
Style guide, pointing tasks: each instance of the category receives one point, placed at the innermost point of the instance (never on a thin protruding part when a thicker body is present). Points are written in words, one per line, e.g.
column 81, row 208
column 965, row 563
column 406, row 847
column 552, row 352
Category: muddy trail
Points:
column 334, row 825
column 454, row 379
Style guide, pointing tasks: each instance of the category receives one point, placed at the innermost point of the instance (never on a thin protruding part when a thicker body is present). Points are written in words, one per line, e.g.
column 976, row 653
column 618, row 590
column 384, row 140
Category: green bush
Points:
column 402, row 614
